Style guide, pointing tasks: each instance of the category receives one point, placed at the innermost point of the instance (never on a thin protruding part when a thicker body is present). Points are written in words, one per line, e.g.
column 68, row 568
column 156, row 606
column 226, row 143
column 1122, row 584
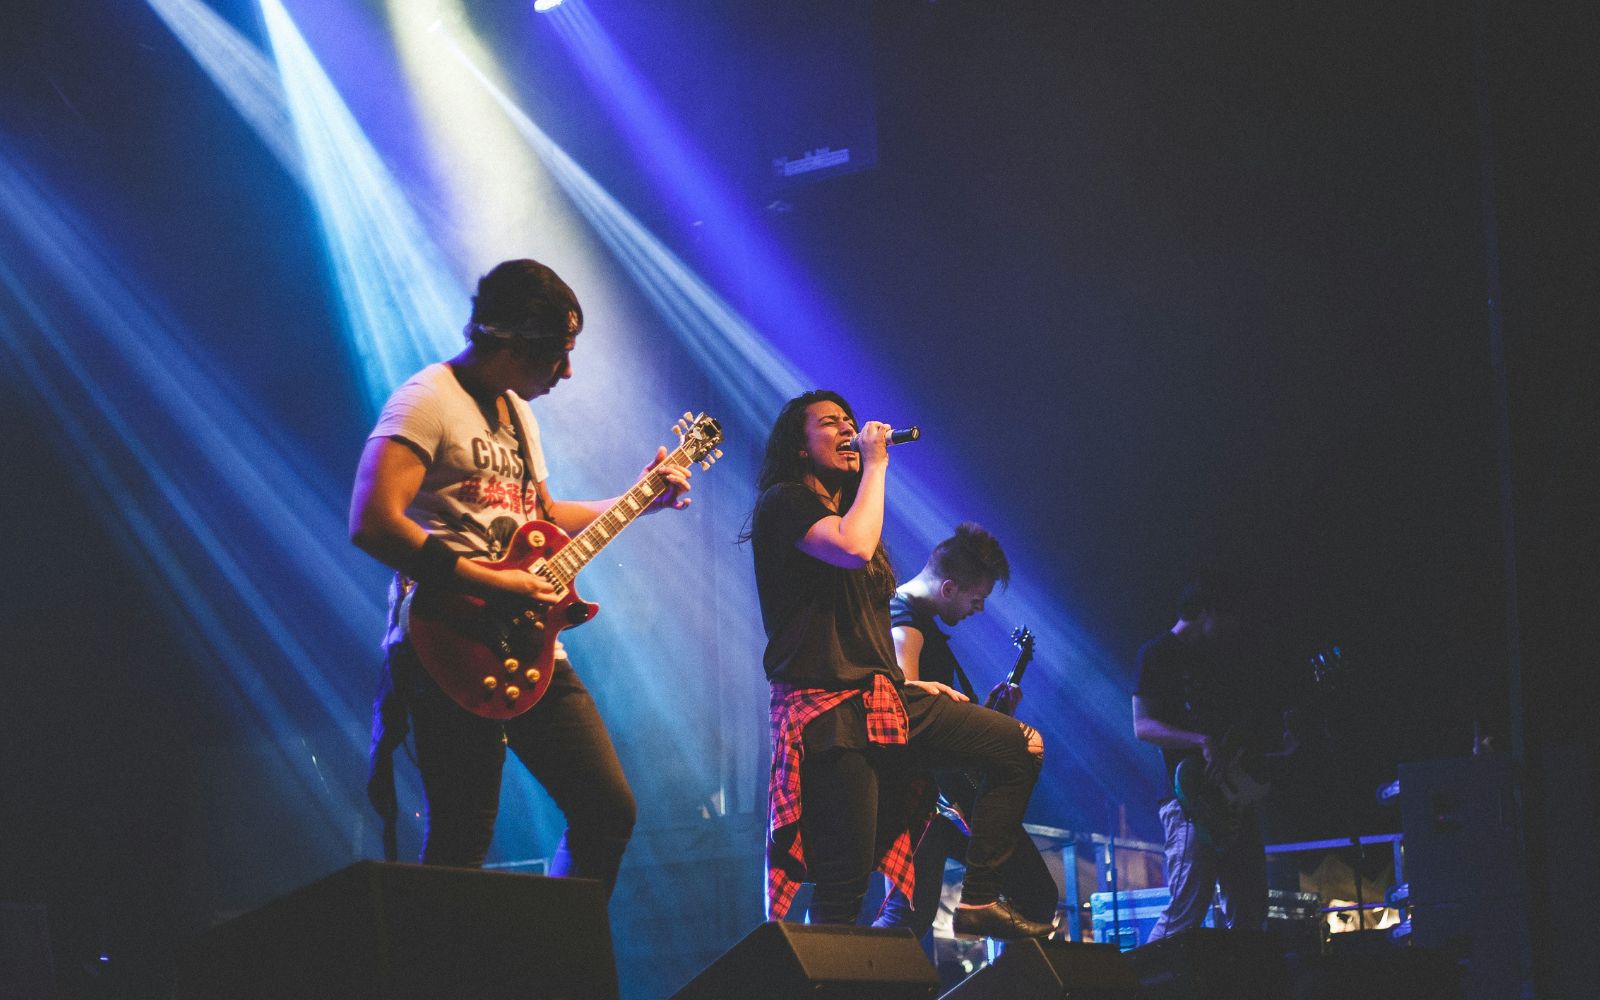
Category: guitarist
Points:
column 952, row 586
column 1191, row 692
column 453, row 468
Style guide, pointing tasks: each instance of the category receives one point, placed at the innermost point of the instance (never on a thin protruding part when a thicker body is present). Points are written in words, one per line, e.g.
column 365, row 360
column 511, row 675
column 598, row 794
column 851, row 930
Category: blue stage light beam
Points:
column 399, row 297
column 196, row 490
column 402, row 300
column 239, row 70
column 745, row 258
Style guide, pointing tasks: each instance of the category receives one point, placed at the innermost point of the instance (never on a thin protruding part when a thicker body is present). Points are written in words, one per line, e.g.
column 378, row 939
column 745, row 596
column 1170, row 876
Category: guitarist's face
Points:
column 1219, row 629
column 957, row 602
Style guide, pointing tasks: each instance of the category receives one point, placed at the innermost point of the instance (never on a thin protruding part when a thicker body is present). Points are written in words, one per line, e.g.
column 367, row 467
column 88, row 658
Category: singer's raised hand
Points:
column 873, row 442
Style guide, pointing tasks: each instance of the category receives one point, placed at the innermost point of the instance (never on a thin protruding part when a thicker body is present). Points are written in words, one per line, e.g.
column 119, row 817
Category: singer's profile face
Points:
column 828, row 429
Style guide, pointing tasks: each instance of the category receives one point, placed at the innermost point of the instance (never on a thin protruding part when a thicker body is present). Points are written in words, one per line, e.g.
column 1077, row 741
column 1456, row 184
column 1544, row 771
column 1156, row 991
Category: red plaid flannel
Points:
column 792, row 710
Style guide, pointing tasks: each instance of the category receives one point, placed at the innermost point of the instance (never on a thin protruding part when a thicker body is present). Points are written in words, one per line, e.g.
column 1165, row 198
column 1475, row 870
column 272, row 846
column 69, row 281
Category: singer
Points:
column 853, row 739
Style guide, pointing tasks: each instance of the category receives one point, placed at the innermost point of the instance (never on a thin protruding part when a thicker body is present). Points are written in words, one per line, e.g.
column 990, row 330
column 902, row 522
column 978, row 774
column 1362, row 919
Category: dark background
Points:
column 1182, row 285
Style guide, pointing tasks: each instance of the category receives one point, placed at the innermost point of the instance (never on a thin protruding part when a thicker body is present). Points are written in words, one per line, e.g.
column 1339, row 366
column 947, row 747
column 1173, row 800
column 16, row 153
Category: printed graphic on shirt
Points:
column 483, row 493
column 500, row 531
column 496, row 458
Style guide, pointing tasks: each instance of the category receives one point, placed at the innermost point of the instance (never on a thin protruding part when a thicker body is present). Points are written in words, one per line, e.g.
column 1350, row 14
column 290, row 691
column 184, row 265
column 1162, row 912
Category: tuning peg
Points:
column 716, row 454
column 688, row 417
column 705, row 465
column 677, row 429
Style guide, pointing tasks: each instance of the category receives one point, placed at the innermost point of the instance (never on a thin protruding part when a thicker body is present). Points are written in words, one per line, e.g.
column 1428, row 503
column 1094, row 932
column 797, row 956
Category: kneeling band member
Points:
column 958, row 578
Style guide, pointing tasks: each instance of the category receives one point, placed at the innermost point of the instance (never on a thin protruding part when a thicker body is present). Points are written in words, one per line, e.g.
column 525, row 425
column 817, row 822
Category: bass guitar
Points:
column 492, row 655
column 1216, row 799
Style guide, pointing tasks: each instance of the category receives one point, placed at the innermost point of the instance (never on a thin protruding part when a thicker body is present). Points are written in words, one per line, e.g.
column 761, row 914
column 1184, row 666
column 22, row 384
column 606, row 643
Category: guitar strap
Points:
column 964, row 682
column 527, row 455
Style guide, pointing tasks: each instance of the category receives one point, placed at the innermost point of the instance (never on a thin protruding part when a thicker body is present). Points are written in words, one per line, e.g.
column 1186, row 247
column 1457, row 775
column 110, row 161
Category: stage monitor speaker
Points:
column 782, row 961
column 1211, row 964
column 377, row 931
column 1052, row 970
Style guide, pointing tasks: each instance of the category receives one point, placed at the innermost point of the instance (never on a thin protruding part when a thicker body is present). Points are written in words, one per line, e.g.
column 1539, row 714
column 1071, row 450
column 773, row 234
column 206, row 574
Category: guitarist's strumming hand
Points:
column 677, row 478
column 934, row 687
column 519, row 582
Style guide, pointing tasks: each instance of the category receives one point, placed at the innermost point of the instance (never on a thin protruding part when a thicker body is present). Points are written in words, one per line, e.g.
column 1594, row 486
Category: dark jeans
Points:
column 1024, row 879
column 562, row 741
column 853, row 800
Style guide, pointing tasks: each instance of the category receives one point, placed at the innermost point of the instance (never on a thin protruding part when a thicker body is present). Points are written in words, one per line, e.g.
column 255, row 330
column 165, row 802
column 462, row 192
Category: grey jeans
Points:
column 1196, row 870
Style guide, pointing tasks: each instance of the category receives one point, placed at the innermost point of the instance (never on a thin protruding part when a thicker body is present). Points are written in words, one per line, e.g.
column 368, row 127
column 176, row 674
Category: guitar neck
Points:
column 587, row 543
column 1023, row 659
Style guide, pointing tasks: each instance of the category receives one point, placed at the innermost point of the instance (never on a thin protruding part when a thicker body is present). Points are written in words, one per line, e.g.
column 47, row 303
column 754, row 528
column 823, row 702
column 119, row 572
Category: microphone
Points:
column 899, row 435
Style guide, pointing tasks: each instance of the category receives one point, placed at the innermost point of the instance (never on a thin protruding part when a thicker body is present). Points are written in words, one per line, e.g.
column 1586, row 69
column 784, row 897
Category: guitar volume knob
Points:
column 512, row 692
column 532, row 675
column 511, row 665
column 491, row 682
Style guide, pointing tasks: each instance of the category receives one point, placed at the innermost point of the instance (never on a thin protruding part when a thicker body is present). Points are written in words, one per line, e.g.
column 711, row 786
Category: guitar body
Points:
column 493, row 657
column 1217, row 806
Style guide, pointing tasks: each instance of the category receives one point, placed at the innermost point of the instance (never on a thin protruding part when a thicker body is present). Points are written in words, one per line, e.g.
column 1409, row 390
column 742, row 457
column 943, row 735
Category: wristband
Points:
column 434, row 563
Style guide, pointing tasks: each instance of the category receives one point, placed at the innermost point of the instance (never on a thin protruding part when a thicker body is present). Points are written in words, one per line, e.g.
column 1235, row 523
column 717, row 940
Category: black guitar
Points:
column 1023, row 640
column 959, row 789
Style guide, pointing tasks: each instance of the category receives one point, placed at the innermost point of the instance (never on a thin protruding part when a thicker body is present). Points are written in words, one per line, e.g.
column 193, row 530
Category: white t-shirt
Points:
column 474, row 495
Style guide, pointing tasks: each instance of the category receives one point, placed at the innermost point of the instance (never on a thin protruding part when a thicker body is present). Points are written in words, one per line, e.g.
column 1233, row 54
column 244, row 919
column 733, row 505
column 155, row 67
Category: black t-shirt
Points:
column 1191, row 687
column 824, row 629
column 937, row 662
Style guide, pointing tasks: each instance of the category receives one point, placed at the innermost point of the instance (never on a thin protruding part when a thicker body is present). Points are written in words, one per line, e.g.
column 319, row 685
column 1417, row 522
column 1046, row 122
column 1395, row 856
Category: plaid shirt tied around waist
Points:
column 887, row 725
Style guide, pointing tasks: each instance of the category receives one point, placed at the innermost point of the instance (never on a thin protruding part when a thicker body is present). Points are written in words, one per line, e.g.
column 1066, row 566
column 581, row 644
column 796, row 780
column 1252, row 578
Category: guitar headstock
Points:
column 1327, row 665
column 1022, row 639
column 698, row 439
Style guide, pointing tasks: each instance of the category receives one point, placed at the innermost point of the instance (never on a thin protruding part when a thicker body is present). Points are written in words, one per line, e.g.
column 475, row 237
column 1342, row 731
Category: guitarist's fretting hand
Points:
column 1004, row 698
column 677, row 477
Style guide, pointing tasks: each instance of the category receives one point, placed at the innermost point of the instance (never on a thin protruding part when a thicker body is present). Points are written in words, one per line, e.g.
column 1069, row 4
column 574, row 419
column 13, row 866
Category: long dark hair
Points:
column 783, row 463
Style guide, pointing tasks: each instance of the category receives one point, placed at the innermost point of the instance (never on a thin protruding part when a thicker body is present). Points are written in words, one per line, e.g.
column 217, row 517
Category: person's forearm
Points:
column 861, row 527
column 1170, row 737
column 572, row 516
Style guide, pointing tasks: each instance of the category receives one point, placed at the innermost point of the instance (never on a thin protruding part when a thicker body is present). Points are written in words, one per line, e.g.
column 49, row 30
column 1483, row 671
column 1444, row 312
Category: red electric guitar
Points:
column 492, row 656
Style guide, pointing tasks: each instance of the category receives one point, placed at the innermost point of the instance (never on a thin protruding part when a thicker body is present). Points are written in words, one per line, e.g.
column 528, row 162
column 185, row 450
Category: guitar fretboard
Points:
column 587, row 543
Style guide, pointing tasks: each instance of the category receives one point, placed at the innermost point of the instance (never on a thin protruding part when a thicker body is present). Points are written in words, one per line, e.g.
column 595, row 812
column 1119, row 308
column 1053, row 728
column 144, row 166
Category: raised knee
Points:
column 1035, row 740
